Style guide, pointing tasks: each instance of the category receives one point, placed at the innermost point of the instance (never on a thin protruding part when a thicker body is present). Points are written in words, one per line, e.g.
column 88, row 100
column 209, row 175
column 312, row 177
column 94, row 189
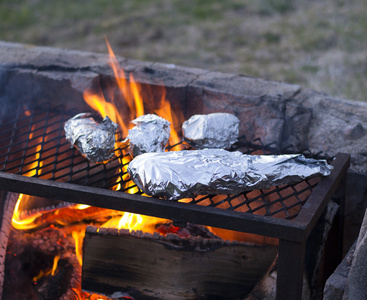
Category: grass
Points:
column 317, row 44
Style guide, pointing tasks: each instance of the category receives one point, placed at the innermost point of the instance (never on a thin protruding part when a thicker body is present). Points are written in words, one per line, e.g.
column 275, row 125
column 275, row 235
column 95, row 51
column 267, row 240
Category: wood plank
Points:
column 155, row 267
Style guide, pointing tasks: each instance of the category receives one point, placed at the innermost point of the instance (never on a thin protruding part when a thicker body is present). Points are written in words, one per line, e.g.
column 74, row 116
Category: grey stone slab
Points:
column 356, row 283
column 336, row 125
column 16, row 55
column 335, row 285
column 248, row 87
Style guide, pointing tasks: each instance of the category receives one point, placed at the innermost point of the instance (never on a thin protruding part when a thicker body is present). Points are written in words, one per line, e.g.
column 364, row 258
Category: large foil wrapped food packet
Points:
column 94, row 141
column 183, row 174
column 150, row 134
column 216, row 130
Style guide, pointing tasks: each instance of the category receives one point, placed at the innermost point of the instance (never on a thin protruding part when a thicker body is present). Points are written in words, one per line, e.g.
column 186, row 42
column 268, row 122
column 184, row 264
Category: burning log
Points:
column 42, row 264
column 63, row 214
column 147, row 266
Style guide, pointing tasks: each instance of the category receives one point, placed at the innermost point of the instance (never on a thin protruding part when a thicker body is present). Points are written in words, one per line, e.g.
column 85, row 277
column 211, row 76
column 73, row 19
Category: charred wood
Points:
column 171, row 267
column 29, row 259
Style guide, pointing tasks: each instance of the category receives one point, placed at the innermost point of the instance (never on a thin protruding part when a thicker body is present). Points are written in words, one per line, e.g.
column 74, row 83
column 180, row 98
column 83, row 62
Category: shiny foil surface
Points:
column 94, row 141
column 216, row 130
column 184, row 174
column 150, row 134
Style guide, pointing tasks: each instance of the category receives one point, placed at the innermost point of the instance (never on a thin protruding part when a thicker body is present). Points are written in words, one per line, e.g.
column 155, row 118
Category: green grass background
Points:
column 318, row 44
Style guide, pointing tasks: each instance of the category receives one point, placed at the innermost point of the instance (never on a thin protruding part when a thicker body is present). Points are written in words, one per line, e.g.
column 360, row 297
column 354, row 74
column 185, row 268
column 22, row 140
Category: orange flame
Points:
column 34, row 143
column 134, row 99
column 23, row 223
column 165, row 111
column 131, row 221
column 78, row 237
column 49, row 272
column 121, row 110
column 54, row 266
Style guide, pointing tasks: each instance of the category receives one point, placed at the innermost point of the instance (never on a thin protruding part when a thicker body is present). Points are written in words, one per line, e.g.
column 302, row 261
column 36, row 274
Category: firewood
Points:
column 150, row 266
column 31, row 254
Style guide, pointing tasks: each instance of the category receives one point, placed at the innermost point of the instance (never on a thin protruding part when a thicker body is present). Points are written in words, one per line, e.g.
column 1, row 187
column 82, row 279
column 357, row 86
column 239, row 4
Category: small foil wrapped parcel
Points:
column 216, row 130
column 150, row 134
column 94, row 141
column 184, row 174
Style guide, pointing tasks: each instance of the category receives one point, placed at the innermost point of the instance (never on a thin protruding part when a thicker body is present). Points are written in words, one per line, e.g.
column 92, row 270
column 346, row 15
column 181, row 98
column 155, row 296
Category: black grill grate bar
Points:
column 26, row 140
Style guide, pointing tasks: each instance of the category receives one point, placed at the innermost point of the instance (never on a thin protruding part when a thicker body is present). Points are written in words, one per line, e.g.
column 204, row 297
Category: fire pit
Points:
column 35, row 159
column 286, row 212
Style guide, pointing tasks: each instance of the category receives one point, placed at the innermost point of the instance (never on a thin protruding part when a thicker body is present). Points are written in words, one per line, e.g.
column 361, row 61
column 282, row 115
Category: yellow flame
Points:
column 23, row 224
column 165, row 111
column 104, row 108
column 82, row 206
column 49, row 272
column 134, row 98
column 36, row 165
column 136, row 91
column 54, row 266
column 78, row 237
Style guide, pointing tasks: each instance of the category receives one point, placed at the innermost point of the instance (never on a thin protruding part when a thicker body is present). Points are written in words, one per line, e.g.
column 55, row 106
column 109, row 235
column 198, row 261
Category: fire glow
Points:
column 133, row 100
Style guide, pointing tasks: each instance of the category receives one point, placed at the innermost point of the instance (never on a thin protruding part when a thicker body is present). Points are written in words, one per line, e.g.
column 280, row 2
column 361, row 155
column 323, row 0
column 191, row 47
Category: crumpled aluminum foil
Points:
column 184, row 174
column 150, row 134
column 216, row 130
column 94, row 141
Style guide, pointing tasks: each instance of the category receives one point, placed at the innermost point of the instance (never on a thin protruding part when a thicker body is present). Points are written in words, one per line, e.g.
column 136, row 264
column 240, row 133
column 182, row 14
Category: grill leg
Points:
column 290, row 266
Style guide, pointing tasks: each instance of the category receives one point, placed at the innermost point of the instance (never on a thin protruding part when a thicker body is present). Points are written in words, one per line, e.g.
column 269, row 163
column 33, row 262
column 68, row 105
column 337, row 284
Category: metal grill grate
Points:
column 33, row 144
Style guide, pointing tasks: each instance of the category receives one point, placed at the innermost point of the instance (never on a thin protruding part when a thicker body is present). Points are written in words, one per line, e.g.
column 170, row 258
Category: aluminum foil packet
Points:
column 94, row 141
column 216, row 130
column 184, row 174
column 150, row 134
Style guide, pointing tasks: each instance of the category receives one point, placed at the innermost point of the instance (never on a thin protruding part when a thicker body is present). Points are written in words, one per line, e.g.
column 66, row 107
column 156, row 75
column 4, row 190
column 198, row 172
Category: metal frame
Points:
column 292, row 234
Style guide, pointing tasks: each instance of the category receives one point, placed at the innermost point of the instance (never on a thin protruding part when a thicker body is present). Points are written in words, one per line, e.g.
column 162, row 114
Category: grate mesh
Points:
column 33, row 144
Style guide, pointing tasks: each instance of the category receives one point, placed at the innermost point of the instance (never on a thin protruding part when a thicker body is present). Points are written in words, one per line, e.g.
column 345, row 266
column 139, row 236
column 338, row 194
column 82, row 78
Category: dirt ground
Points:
column 317, row 44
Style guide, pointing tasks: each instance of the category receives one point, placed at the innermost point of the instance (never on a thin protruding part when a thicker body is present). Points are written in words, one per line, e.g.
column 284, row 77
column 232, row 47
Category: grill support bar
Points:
column 292, row 234
column 290, row 268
